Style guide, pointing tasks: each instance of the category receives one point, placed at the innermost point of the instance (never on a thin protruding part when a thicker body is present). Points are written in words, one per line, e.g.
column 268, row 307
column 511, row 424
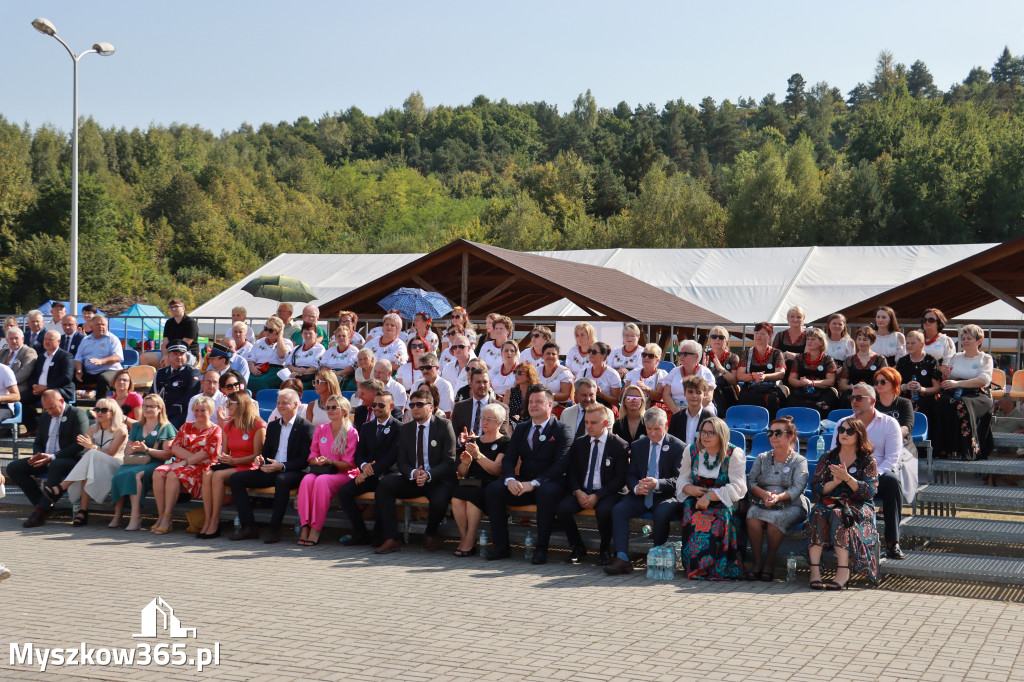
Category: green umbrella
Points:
column 278, row 288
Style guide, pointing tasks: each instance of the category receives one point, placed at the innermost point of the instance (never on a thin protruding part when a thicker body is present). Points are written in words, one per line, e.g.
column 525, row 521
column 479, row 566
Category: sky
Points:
column 219, row 64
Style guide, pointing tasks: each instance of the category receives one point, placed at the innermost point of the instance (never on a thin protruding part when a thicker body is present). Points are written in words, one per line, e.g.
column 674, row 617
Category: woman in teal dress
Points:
column 149, row 446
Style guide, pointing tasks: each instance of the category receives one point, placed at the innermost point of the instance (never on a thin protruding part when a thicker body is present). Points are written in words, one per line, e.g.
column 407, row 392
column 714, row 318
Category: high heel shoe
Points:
column 461, row 553
column 53, row 492
column 833, row 586
column 114, row 523
column 816, row 584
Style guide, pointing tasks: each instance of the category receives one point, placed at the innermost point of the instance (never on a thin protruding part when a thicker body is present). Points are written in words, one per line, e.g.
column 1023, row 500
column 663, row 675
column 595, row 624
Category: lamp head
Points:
column 44, row 26
column 105, row 49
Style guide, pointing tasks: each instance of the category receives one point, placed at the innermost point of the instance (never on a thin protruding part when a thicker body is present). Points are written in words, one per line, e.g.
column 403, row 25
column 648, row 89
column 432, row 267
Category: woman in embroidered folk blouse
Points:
column 673, row 393
column 890, row 343
column 609, row 383
column 304, row 360
column 626, row 357
column 723, row 364
column 859, row 367
column 762, row 369
column 648, row 376
column 838, row 343
column 936, row 344
column 578, row 357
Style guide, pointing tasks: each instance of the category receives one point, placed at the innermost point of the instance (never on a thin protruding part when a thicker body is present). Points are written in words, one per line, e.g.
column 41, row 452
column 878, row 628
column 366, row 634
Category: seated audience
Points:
column 332, row 465
column 340, row 358
column 422, row 330
column 408, row 375
column 242, row 436
column 431, row 377
column 285, row 458
column 838, row 343
column 555, row 377
column 382, row 372
column 502, row 330
column 149, row 446
column 459, row 322
column 585, row 390
column 630, row 424
column 310, row 318
column 89, row 311
column 479, row 466
column 176, row 383
column 70, row 338
column 35, row 329
column 648, row 376
column 325, row 384
column 104, row 453
column 55, row 368
column 347, row 318
column 365, row 360
column 9, row 394
column 389, row 345
column 99, row 358
column 21, row 359
column 467, row 414
column 304, row 359
column 936, row 344
column 962, row 427
column 455, row 372
column 240, row 314
column 761, row 370
column 578, row 357
column 791, row 340
column 684, row 424
column 540, row 336
column 290, row 325
column 57, row 312
column 920, row 376
column 503, row 376
column 268, row 356
column 209, row 386
column 776, row 482
column 897, row 468
column 859, row 367
column 673, row 392
column 244, row 339
column 223, row 357
column 844, row 483
column 295, row 385
column 515, row 397
column 723, row 364
column 126, row 397
column 608, row 381
column 812, row 377
column 626, row 357
column 195, row 449
column 890, row 342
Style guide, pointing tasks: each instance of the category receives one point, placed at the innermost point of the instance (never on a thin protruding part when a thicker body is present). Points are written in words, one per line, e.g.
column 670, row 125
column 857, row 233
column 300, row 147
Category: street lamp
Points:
column 46, row 27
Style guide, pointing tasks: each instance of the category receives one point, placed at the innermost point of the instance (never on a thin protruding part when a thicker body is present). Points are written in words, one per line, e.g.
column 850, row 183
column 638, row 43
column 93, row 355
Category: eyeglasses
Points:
column 537, row 336
column 687, row 352
column 777, row 433
column 428, row 366
column 881, row 382
column 707, row 434
column 594, row 351
column 857, row 398
column 648, row 355
column 331, row 408
column 380, row 406
column 489, row 419
column 633, row 398
column 848, row 430
column 101, row 410
column 718, row 337
column 150, row 407
column 458, row 346
column 418, row 404
column 456, row 316
column 929, row 320
column 232, row 402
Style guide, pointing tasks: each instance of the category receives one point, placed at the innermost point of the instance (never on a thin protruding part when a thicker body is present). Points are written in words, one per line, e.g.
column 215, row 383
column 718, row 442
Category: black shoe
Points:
column 540, row 557
column 894, row 552
column 604, row 558
column 201, row 536
column 36, row 518
column 497, row 554
column 246, row 533
column 357, row 539
column 577, row 555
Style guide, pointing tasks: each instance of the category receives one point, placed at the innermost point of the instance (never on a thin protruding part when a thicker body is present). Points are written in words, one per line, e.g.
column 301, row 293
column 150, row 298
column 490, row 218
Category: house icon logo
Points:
column 152, row 621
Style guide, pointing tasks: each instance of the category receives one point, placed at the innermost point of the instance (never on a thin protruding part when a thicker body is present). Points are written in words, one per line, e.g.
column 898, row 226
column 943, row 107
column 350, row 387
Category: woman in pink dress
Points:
column 334, row 451
column 195, row 448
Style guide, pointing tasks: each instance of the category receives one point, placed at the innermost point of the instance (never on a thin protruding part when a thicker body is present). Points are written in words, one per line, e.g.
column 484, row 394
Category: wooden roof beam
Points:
column 1006, row 298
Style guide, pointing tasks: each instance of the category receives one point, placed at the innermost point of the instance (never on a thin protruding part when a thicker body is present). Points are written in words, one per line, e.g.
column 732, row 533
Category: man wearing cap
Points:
column 223, row 358
column 177, row 382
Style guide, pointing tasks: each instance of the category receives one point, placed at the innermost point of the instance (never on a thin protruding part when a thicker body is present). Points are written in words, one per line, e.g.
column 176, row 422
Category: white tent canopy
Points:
column 742, row 285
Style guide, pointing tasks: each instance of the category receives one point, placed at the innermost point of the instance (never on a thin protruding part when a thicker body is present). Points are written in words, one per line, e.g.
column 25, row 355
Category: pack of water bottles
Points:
column 661, row 563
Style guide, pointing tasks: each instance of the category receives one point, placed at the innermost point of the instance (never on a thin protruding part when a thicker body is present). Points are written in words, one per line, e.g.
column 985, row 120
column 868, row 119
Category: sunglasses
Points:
column 318, row 382
column 417, row 345
column 718, row 337
column 380, row 406
column 234, row 385
column 101, row 410
column 777, row 433
column 687, row 352
column 929, row 320
column 594, row 351
column 458, row 346
column 269, row 330
column 881, row 382
column 633, row 398
column 538, row 336
column 232, row 402
column 428, row 366
column 331, row 408
column 848, row 430
column 521, row 372
column 648, row 355
column 859, row 397
column 418, row 404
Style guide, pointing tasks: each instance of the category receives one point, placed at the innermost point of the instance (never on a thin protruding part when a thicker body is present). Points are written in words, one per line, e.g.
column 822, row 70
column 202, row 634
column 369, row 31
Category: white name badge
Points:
column 245, row 436
column 785, row 470
column 323, row 440
column 433, row 443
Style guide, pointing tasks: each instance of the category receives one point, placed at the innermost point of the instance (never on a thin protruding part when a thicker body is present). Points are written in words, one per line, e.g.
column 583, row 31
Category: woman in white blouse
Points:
column 365, row 360
column 962, row 423
column 501, row 331
column 578, row 357
column 341, row 357
column 503, row 376
column 535, row 351
column 268, row 356
column 648, row 376
column 889, row 342
column 388, row 346
column 838, row 344
column 673, row 393
column 936, row 344
column 304, row 361
column 609, row 383
column 626, row 357
column 712, row 481
column 347, row 318
column 556, row 377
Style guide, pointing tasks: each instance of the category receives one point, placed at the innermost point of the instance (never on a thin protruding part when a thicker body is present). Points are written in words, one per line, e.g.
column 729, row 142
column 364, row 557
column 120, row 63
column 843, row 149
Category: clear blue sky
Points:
column 218, row 63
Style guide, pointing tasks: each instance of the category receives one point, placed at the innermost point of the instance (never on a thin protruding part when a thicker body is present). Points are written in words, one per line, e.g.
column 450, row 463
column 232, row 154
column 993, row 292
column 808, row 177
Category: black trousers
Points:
column 23, row 475
column 397, row 487
column 891, row 491
column 347, row 497
column 282, row 481
column 568, row 507
column 103, row 381
column 546, row 497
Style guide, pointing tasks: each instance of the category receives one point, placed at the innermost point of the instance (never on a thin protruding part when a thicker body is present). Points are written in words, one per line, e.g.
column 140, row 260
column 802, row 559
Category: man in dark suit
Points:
column 426, row 467
column 366, row 391
column 597, row 474
column 286, row 457
column 466, row 414
column 376, row 456
column 20, row 358
column 684, row 423
column 56, row 453
column 35, row 329
column 651, row 479
column 540, row 450
column 71, row 338
column 54, row 369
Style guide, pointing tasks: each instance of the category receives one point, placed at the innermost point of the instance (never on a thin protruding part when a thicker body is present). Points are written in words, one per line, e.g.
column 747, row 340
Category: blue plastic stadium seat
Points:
column 738, row 439
column 666, row 365
column 309, row 396
column 747, row 419
column 131, row 357
column 348, row 395
column 806, row 419
column 920, row 431
column 761, row 444
column 267, row 401
column 837, row 416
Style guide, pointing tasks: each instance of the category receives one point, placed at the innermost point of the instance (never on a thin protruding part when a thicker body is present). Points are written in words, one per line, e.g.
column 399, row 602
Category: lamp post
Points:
column 46, row 27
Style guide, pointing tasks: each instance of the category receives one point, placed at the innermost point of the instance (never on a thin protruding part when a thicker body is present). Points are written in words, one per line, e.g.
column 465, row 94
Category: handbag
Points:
column 321, row 469
column 136, row 459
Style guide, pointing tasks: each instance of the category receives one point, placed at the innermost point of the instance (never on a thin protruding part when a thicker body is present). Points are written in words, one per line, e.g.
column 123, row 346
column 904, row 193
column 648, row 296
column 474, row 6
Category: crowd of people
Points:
column 473, row 423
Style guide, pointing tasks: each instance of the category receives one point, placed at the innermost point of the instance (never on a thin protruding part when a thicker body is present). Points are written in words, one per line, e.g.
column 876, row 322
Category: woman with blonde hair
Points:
column 723, row 364
column 242, row 443
column 626, row 357
column 325, row 383
column 812, row 376
column 104, row 453
column 149, row 446
column 389, row 345
column 648, row 376
column 332, row 465
column 838, row 342
column 791, row 340
column 268, row 356
column 578, row 357
column 630, row 424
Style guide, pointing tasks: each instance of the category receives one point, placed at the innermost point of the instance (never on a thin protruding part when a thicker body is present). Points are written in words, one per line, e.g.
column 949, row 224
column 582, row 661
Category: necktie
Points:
column 535, row 440
column 476, row 417
column 593, row 469
column 64, row 342
column 579, row 425
column 380, row 431
column 652, row 472
column 419, row 447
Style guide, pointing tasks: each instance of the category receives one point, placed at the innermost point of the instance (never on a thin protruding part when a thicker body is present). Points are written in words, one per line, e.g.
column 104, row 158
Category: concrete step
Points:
column 965, row 495
column 957, row 528
column 1009, row 467
column 921, row 564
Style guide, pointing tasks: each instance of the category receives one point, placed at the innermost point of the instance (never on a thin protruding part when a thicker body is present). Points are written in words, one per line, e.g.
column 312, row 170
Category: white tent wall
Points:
column 743, row 285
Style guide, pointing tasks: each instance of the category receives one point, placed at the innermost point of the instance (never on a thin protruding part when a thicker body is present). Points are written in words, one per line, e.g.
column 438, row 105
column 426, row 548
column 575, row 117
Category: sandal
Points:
column 463, row 553
column 160, row 530
column 751, row 575
column 767, row 576
column 833, row 586
column 53, row 492
column 307, row 543
column 816, row 584
column 81, row 518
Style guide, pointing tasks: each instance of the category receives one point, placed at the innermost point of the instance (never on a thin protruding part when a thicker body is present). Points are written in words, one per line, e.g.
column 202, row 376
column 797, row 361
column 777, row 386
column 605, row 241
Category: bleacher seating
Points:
column 747, row 419
column 807, row 420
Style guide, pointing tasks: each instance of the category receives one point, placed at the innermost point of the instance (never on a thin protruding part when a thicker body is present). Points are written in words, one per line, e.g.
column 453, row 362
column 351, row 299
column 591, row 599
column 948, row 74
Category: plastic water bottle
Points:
column 820, row 447
column 238, row 523
column 678, row 547
column 652, row 563
column 791, row 568
column 298, row 529
column 669, row 563
column 957, row 393
column 483, row 544
column 646, row 530
column 528, row 545
column 915, row 395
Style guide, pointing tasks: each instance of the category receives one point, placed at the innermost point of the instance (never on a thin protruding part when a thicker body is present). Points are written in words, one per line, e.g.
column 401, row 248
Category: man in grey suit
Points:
column 56, row 453
column 586, row 394
column 20, row 358
column 426, row 467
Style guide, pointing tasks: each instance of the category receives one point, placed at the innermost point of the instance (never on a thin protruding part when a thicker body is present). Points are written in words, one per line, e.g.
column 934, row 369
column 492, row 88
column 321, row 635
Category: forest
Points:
column 180, row 211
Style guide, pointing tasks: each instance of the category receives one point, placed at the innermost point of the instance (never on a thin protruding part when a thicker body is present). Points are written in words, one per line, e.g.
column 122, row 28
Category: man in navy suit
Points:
column 653, row 470
column 426, row 467
column 540, row 449
column 71, row 338
column 54, row 369
column 598, row 462
column 376, row 456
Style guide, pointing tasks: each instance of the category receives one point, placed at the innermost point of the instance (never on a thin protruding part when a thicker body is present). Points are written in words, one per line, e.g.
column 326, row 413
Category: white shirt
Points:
column 446, row 356
column 7, row 378
column 841, row 349
column 282, row 447
column 650, row 382
column 890, row 345
column 267, row 352
column 47, row 361
column 397, row 393
column 244, row 351
column 219, row 400
column 963, row 367
column 692, row 422
column 528, row 356
column 674, row 380
column 942, row 348
column 500, row 382
column 423, row 432
column 576, row 361
column 395, row 352
column 335, row 359
column 731, row 492
column 408, row 377
column 560, row 376
column 884, row 433
column 595, row 462
column 306, row 358
column 619, row 359
column 656, row 449
column 53, row 434
column 491, row 354
column 445, row 391
column 455, row 376
column 608, row 380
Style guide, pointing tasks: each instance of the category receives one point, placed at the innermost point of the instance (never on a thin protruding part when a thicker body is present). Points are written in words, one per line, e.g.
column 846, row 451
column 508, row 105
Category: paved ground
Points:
column 282, row 612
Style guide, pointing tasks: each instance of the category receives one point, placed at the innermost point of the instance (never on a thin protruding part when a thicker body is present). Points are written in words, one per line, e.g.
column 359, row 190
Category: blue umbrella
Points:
column 409, row 301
